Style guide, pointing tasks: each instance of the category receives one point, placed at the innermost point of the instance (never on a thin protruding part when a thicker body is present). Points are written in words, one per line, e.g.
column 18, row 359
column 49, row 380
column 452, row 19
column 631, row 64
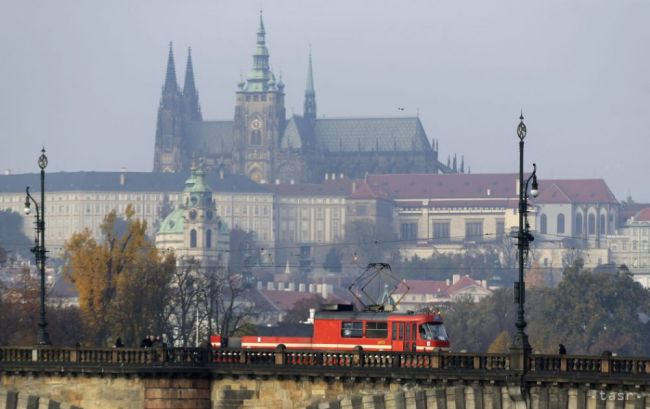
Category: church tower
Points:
column 191, row 105
column 259, row 117
column 205, row 235
column 169, row 127
column 309, row 112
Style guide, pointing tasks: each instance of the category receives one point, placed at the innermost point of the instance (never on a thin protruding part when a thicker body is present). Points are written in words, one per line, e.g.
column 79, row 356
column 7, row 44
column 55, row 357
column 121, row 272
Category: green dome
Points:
column 173, row 223
column 196, row 182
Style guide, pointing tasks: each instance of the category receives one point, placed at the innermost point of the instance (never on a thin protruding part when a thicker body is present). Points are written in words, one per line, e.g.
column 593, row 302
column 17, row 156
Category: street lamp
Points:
column 39, row 246
column 524, row 237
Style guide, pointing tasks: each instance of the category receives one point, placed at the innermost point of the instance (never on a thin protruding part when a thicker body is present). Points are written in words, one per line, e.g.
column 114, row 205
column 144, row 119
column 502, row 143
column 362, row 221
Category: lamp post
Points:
column 39, row 247
column 520, row 345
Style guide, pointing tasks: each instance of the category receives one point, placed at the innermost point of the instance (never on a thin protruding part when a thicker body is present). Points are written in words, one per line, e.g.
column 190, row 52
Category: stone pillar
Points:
column 572, row 401
column 477, row 390
column 459, row 397
column 394, row 401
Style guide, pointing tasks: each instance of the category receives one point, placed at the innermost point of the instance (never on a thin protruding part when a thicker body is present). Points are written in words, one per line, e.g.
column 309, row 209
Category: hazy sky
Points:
column 84, row 77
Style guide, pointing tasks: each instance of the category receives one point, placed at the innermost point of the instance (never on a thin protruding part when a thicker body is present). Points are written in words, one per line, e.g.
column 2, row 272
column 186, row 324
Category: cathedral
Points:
column 264, row 144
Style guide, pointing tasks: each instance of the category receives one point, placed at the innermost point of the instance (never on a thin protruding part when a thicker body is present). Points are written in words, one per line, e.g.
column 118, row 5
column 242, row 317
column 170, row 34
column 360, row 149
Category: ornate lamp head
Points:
column 42, row 160
column 521, row 128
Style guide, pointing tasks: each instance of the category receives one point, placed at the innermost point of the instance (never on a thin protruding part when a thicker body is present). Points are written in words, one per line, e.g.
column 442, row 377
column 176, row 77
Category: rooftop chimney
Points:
column 327, row 176
column 7, row 172
column 292, row 182
column 455, row 278
column 122, row 176
column 221, row 174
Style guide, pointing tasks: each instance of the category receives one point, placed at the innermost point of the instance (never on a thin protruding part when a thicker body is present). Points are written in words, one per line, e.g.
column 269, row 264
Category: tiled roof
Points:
column 643, row 215
column 339, row 187
column 456, row 186
column 574, row 191
column 463, row 282
column 211, row 137
column 362, row 190
column 630, row 209
column 423, row 287
column 370, row 134
column 285, row 300
column 133, row 182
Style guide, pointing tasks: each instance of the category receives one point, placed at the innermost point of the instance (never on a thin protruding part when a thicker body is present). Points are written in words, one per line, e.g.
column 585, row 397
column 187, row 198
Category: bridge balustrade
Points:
column 215, row 358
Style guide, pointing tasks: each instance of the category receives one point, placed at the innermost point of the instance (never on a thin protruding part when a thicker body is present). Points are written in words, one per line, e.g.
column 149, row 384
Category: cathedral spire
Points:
column 190, row 94
column 260, row 78
column 310, row 93
column 170, row 77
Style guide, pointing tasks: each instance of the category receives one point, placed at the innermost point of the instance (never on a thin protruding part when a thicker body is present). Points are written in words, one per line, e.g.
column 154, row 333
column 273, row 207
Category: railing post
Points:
column 279, row 354
column 34, row 355
column 243, row 355
column 357, row 356
column 477, row 362
column 436, row 360
column 605, row 365
column 563, row 364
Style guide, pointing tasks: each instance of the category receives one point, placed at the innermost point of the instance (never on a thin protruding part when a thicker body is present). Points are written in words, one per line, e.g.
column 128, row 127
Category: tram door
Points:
column 410, row 334
column 397, row 336
column 403, row 336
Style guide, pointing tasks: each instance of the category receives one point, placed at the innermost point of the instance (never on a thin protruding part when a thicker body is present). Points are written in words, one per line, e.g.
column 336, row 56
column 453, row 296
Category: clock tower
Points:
column 259, row 117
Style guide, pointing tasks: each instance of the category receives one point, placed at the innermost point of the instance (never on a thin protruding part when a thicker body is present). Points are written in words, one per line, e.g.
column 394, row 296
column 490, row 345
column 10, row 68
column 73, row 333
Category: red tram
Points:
column 340, row 328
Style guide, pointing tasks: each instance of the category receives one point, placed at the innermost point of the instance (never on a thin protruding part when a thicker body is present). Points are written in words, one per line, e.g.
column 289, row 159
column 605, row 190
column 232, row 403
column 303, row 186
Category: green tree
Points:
column 592, row 312
column 371, row 242
column 333, row 260
column 12, row 237
column 122, row 280
column 300, row 310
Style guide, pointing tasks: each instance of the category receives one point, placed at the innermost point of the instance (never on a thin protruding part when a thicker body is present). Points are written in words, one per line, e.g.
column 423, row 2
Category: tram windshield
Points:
column 433, row 331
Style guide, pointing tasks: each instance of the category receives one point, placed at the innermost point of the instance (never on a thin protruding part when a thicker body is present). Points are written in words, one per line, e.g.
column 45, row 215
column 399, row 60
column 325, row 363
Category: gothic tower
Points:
column 169, row 127
column 259, row 117
column 191, row 105
column 310, row 95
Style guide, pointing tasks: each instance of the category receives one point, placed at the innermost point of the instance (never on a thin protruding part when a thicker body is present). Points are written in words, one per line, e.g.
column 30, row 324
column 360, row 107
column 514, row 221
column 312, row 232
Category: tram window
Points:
column 401, row 331
column 414, row 331
column 352, row 329
column 407, row 335
column 394, row 331
column 376, row 330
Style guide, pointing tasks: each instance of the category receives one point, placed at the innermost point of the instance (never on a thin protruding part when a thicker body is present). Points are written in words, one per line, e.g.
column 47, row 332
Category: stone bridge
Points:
column 67, row 378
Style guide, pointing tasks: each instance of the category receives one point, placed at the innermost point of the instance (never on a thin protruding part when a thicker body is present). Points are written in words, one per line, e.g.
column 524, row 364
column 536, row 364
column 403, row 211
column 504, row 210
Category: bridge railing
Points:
column 215, row 358
column 589, row 364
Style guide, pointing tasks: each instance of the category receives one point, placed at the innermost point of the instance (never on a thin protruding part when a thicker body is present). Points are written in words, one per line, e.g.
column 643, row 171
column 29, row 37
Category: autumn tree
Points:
column 500, row 344
column 122, row 280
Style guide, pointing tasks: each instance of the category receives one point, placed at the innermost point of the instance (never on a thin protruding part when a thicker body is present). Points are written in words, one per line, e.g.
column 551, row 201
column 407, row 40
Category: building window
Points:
column 603, row 226
column 473, row 230
column 578, row 224
column 256, row 137
column 560, row 223
column 441, row 230
column 592, row 224
column 362, row 210
column 501, row 228
column 208, row 239
column 193, row 238
column 409, row 231
column 542, row 224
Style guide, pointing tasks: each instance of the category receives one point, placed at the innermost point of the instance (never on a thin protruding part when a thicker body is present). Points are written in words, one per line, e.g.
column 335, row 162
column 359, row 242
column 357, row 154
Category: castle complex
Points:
column 263, row 144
